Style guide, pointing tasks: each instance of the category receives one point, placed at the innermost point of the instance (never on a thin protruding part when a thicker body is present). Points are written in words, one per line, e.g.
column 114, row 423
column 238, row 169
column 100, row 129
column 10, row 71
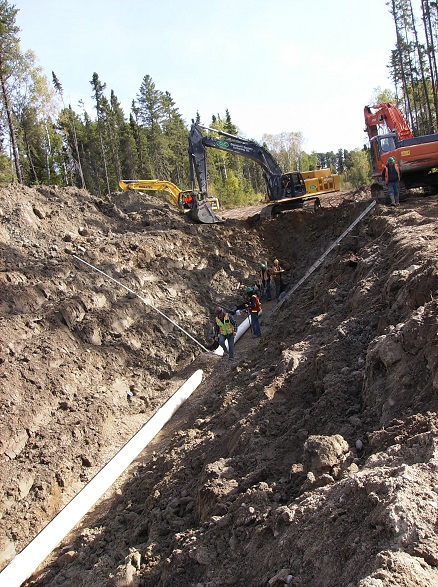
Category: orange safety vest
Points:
column 255, row 304
column 277, row 270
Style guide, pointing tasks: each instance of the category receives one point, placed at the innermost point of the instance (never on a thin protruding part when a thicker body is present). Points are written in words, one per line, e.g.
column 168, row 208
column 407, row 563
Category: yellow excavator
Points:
column 185, row 200
column 285, row 191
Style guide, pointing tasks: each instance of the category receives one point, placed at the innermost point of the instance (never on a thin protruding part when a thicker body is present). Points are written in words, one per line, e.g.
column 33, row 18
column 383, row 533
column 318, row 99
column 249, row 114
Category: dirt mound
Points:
column 311, row 461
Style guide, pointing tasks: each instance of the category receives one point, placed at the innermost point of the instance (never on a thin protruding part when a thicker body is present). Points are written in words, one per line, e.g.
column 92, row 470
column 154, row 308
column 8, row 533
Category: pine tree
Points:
column 430, row 23
column 151, row 116
column 58, row 87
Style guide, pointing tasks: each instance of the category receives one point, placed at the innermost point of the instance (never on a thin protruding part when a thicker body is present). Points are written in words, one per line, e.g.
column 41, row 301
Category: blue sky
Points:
column 277, row 65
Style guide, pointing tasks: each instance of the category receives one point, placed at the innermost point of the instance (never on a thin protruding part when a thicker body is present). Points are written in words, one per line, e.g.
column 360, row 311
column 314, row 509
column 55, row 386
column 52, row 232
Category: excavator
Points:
column 188, row 201
column 390, row 136
column 285, row 191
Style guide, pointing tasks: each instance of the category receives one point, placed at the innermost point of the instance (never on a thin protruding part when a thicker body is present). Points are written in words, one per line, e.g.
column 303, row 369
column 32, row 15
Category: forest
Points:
column 44, row 140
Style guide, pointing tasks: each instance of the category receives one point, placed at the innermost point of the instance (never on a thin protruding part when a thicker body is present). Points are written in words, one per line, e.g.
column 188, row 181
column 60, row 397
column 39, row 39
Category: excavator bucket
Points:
column 202, row 212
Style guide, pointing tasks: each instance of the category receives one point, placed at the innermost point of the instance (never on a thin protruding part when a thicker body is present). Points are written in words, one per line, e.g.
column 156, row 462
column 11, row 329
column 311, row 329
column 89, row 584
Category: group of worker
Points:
column 226, row 326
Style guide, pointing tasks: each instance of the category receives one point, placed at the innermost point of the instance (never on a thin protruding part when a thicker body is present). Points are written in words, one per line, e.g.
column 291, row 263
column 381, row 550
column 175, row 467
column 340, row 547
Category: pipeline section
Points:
column 142, row 299
column 323, row 256
column 33, row 555
column 241, row 329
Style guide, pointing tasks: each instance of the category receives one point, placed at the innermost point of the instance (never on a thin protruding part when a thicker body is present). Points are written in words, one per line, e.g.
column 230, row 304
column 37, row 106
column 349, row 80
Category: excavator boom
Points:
column 390, row 136
column 285, row 190
column 200, row 210
column 170, row 188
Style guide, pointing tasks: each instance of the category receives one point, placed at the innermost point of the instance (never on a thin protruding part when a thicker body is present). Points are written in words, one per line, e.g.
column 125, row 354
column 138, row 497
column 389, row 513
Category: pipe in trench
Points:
column 321, row 259
column 31, row 557
column 27, row 561
column 142, row 299
column 241, row 329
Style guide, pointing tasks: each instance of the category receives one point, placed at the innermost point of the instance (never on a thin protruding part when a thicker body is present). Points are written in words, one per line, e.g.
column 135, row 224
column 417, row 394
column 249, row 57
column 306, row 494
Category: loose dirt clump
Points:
column 310, row 461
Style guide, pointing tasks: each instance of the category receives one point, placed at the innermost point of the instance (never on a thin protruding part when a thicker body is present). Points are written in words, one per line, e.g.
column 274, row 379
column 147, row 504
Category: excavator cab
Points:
column 199, row 208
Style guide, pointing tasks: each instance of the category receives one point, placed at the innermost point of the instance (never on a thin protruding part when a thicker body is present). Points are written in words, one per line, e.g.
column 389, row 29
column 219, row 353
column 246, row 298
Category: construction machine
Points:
column 188, row 201
column 390, row 136
column 285, row 191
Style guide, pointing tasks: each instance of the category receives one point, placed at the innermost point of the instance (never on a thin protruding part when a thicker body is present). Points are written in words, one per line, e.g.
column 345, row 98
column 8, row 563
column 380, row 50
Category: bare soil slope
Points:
column 309, row 462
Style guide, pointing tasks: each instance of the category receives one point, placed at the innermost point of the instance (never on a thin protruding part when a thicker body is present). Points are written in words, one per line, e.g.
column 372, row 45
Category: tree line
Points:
column 45, row 141
column 413, row 63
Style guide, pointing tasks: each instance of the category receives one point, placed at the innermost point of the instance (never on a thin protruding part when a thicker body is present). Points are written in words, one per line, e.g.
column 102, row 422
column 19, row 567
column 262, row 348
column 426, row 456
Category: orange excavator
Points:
column 390, row 136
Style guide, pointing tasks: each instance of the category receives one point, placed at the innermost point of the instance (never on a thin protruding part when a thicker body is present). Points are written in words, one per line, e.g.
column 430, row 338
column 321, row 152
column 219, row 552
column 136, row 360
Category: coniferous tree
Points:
column 151, row 116
column 175, row 134
column 430, row 23
column 413, row 64
column 140, row 142
column 71, row 118
column 99, row 97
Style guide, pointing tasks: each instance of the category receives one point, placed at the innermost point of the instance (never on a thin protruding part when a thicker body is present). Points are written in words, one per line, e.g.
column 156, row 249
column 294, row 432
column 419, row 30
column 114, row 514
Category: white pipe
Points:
column 29, row 559
column 140, row 298
column 323, row 256
column 241, row 329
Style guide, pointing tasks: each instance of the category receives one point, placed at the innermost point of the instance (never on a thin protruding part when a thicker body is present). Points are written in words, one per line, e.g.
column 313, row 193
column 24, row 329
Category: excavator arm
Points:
column 390, row 136
column 279, row 185
column 387, row 118
column 170, row 188
column 189, row 202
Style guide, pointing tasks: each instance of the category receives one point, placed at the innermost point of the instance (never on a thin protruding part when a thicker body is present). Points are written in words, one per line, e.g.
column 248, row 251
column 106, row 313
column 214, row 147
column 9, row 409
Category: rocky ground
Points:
column 310, row 461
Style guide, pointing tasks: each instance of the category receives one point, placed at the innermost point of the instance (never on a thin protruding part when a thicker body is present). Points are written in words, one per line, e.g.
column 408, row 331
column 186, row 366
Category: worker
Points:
column 265, row 281
column 391, row 177
column 188, row 201
column 225, row 331
column 253, row 308
column 277, row 272
column 247, row 291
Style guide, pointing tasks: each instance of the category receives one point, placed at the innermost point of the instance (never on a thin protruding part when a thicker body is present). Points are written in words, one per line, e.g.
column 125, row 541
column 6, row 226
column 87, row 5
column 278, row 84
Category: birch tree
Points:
column 9, row 48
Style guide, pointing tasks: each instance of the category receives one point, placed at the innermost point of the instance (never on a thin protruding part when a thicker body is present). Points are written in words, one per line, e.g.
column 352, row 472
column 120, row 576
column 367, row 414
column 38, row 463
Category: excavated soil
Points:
column 311, row 461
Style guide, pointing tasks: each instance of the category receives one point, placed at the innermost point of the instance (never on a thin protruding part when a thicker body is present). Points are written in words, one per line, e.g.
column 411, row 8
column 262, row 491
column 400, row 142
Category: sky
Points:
column 306, row 66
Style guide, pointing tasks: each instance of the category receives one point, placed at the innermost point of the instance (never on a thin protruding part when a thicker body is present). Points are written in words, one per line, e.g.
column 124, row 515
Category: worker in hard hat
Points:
column 265, row 281
column 225, row 331
column 277, row 276
column 253, row 308
column 391, row 177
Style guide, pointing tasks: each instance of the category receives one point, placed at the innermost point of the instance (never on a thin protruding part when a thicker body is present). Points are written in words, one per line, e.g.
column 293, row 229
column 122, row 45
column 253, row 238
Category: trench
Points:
column 24, row 564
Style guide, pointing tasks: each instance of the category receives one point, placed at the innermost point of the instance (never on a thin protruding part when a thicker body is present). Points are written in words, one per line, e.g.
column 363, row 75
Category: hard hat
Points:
column 262, row 266
column 391, row 160
column 249, row 290
column 218, row 310
column 275, row 261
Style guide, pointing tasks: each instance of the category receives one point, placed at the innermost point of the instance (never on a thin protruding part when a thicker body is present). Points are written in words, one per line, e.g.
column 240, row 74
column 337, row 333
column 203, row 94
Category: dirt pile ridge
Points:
column 308, row 462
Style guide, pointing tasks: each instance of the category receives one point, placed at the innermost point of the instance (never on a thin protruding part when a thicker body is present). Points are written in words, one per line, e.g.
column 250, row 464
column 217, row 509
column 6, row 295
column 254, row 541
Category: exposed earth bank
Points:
column 310, row 461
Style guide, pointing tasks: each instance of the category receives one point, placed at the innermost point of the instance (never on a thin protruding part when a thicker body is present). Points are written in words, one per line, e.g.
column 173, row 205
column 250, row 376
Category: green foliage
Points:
column 288, row 149
column 6, row 176
column 9, row 41
column 150, row 143
column 413, row 63
column 357, row 168
column 380, row 96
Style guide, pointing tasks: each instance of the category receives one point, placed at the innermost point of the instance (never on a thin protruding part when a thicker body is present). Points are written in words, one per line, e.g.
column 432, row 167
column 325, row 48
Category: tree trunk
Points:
column 426, row 102
column 11, row 126
column 431, row 54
